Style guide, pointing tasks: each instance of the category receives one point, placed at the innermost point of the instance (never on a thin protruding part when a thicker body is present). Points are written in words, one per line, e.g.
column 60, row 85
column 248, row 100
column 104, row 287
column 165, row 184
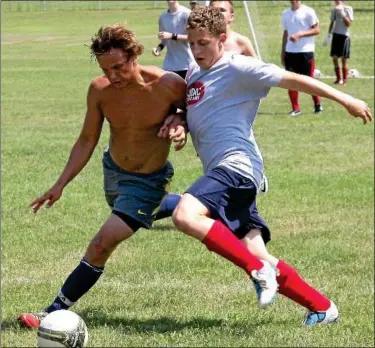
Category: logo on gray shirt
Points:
column 195, row 93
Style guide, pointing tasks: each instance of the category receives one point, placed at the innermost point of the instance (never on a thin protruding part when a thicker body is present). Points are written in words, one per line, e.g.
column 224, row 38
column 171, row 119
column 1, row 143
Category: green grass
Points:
column 161, row 288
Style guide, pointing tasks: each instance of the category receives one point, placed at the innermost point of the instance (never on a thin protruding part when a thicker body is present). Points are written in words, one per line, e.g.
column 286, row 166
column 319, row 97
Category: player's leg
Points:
column 344, row 59
column 89, row 270
column 133, row 199
column 339, row 80
column 308, row 67
column 336, row 52
column 291, row 63
column 292, row 285
column 137, row 196
column 201, row 214
column 116, row 229
column 168, row 205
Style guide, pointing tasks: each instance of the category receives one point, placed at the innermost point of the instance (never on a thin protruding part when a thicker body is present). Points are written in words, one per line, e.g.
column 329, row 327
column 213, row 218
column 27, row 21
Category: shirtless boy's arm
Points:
column 175, row 126
column 247, row 47
column 81, row 151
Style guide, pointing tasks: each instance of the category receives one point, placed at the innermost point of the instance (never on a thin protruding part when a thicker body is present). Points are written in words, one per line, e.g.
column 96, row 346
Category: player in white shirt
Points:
column 341, row 18
column 300, row 25
column 223, row 96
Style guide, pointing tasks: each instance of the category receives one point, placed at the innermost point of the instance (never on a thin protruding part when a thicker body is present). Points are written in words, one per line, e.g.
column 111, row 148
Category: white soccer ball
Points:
column 62, row 328
column 317, row 73
column 353, row 73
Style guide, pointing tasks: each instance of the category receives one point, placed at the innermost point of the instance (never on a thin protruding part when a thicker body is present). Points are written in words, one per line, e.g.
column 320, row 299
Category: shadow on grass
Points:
column 97, row 318
column 273, row 113
column 163, row 227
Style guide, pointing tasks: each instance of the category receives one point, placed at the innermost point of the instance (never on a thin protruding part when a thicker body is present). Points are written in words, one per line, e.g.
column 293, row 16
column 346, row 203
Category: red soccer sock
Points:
column 338, row 74
column 345, row 72
column 316, row 100
column 223, row 242
column 293, row 96
column 294, row 287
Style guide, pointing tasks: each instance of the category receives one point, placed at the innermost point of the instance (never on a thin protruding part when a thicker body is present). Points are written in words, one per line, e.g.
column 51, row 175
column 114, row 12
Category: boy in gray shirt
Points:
column 223, row 96
column 172, row 32
column 341, row 19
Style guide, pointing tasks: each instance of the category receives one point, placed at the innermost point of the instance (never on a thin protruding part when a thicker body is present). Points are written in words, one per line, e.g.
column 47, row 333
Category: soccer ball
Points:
column 317, row 73
column 353, row 73
column 62, row 328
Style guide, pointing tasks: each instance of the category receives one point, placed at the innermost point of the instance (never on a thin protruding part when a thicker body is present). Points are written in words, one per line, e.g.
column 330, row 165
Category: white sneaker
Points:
column 264, row 185
column 155, row 52
column 295, row 113
column 331, row 315
column 265, row 284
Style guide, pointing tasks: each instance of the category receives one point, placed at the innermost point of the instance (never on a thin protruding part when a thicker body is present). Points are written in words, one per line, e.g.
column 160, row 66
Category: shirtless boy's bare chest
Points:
column 231, row 44
column 141, row 108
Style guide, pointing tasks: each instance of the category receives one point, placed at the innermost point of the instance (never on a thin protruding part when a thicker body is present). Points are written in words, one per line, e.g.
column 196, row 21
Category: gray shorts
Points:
column 136, row 195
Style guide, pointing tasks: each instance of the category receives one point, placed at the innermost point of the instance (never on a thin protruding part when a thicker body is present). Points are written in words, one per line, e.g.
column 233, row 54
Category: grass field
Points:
column 161, row 288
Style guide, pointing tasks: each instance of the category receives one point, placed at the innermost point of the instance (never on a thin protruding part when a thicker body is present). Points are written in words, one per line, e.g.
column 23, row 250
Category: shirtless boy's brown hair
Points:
column 115, row 36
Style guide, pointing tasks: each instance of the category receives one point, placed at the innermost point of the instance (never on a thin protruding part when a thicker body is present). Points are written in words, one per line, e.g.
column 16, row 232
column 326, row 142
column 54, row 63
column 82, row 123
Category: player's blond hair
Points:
column 115, row 36
column 209, row 18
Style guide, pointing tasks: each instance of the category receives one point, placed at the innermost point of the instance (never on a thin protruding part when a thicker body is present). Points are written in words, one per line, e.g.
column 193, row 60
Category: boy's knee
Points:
column 180, row 217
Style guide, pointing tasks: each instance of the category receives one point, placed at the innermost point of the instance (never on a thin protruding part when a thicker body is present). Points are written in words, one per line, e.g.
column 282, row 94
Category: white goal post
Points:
column 251, row 27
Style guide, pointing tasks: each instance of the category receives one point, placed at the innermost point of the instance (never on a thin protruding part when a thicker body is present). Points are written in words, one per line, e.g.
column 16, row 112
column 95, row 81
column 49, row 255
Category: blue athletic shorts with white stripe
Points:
column 231, row 198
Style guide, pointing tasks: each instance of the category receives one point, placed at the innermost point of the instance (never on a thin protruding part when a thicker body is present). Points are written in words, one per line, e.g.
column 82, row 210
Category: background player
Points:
column 172, row 32
column 301, row 25
column 341, row 18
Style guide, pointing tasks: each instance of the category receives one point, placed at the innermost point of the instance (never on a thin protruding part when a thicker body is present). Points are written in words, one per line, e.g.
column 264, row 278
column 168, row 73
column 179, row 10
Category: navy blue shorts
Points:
column 340, row 46
column 230, row 198
column 135, row 195
column 300, row 63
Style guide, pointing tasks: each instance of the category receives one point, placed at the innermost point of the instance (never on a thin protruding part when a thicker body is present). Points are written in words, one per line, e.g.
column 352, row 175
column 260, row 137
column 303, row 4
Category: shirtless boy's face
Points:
column 117, row 67
column 207, row 49
column 225, row 8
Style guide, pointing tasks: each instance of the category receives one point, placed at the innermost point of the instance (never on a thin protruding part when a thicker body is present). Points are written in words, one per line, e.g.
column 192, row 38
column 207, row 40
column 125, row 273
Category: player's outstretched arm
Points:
column 80, row 153
column 306, row 84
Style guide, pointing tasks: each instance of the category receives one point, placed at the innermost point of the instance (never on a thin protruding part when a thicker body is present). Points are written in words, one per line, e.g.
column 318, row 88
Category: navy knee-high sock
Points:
column 81, row 280
column 167, row 206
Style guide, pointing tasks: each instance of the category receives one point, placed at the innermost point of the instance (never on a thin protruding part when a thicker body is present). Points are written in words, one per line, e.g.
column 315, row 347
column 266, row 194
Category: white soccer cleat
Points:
column 265, row 284
column 331, row 315
column 295, row 113
column 264, row 185
column 155, row 52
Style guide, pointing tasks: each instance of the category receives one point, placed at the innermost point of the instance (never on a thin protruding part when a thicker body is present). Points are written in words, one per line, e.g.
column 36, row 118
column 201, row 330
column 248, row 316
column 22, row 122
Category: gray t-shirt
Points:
column 339, row 26
column 222, row 103
column 178, row 56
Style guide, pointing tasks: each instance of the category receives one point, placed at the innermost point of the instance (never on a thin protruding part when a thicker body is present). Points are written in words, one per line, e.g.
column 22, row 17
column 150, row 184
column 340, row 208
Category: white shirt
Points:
column 302, row 19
